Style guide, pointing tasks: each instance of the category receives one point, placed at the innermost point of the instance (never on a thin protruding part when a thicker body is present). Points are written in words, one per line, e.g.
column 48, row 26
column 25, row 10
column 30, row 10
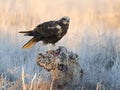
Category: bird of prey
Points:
column 49, row 32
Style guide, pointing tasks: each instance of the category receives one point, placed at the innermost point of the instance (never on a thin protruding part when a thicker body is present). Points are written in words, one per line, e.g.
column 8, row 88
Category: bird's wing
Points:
column 48, row 28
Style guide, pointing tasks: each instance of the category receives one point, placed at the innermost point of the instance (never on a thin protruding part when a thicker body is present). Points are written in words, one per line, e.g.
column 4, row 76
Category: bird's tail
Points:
column 27, row 33
column 30, row 43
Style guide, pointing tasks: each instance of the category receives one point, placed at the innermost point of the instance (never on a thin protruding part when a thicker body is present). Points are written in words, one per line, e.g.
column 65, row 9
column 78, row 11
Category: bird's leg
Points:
column 49, row 47
column 55, row 46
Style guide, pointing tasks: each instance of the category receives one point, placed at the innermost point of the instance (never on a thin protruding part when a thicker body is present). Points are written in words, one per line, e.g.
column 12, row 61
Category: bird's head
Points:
column 65, row 20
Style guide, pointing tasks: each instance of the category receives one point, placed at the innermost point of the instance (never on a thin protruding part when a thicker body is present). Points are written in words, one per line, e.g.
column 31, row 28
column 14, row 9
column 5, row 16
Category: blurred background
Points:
column 94, row 34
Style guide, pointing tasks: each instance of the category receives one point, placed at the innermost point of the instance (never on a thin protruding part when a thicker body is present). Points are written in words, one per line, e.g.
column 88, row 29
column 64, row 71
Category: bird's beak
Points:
column 68, row 19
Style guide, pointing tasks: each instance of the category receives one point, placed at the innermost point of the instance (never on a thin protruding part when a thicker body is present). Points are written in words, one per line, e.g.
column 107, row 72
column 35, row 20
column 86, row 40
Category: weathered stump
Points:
column 64, row 70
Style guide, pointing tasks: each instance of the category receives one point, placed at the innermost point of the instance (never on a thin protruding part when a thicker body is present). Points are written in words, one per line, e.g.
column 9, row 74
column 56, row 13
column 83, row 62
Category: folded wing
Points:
column 48, row 29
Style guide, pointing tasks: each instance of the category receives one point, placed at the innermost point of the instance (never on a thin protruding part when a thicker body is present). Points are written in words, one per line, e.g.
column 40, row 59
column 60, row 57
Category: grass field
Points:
column 94, row 34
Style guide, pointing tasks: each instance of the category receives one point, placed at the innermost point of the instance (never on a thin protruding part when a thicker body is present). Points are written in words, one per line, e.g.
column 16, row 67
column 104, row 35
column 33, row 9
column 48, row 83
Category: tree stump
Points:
column 65, row 72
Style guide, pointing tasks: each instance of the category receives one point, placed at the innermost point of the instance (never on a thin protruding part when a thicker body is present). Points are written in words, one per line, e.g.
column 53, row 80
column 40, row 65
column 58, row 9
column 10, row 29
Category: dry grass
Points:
column 29, row 13
column 25, row 15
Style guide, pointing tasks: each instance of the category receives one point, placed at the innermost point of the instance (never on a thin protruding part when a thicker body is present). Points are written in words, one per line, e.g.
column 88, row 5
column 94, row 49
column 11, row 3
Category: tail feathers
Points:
column 28, row 34
column 30, row 43
column 25, row 32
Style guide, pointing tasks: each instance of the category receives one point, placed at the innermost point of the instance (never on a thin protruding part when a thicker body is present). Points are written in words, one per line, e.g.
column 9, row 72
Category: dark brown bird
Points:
column 49, row 32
